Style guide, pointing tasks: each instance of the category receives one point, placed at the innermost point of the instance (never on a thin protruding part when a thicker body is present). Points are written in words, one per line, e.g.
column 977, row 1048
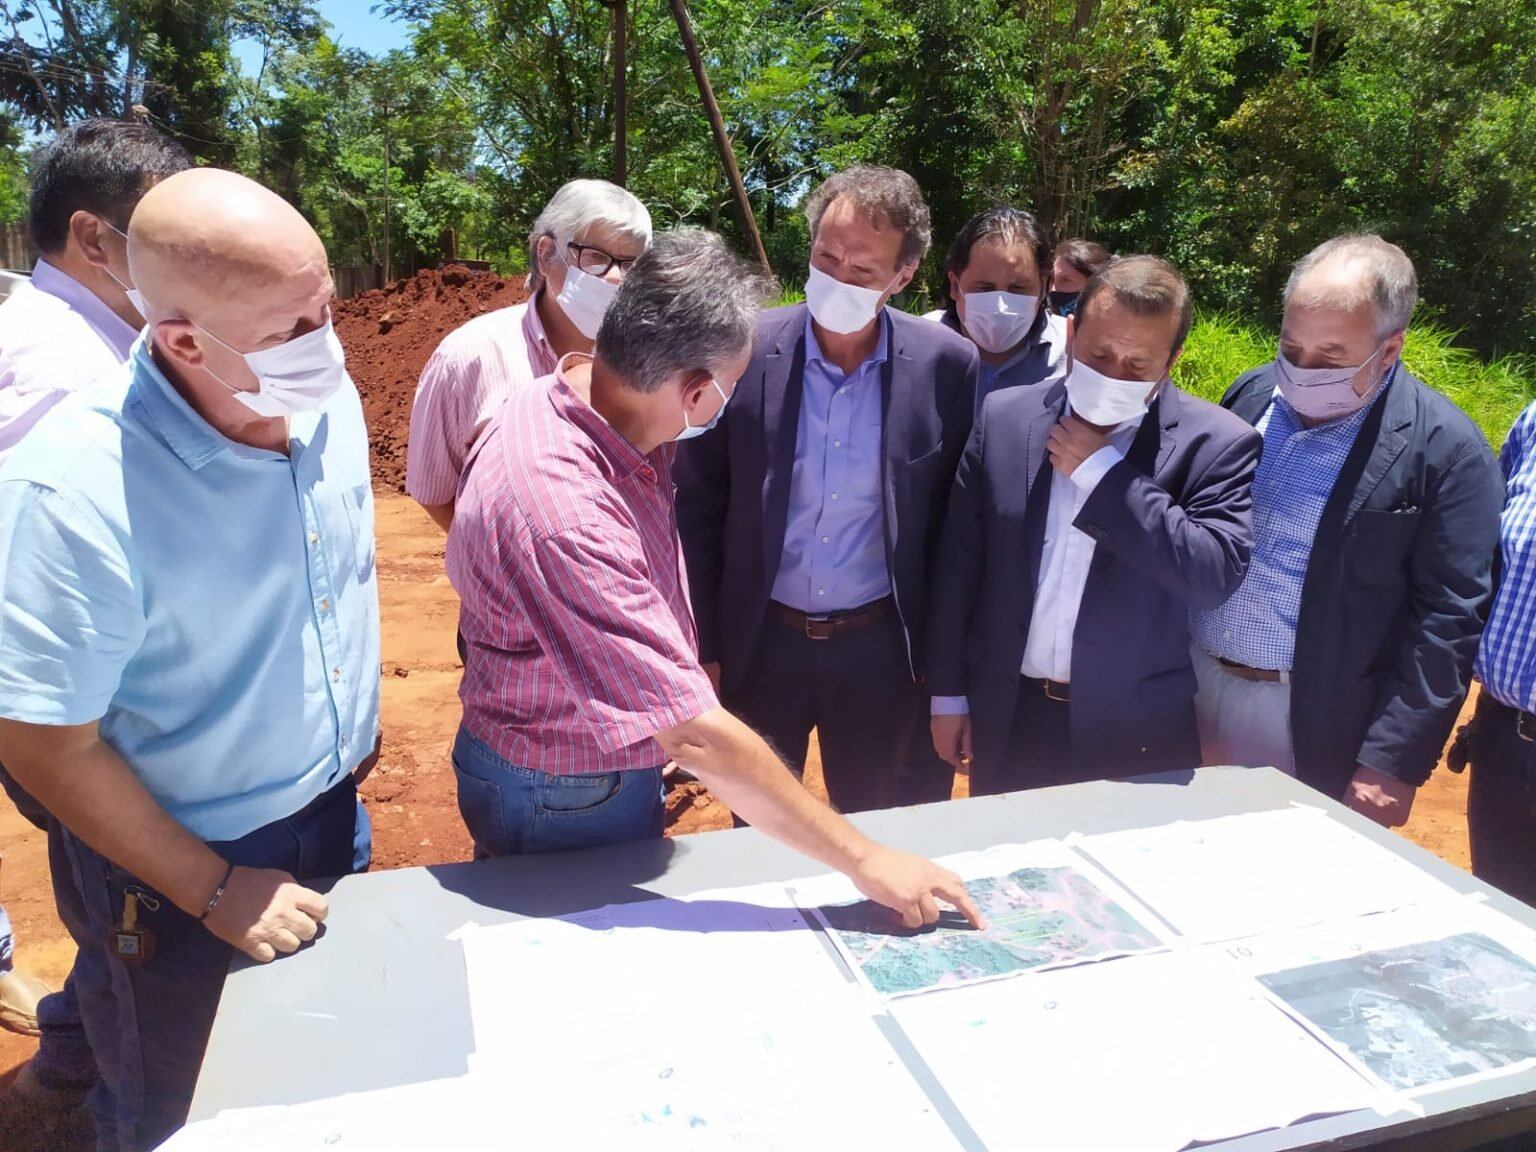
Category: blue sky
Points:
column 352, row 24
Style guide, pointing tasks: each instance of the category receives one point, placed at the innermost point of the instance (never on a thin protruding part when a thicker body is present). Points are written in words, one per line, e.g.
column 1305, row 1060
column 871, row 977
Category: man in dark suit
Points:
column 1346, row 654
column 809, row 518
column 1086, row 519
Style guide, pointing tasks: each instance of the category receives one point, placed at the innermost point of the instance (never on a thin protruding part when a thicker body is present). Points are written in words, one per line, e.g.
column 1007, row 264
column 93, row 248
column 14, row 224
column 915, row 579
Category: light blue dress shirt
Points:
column 834, row 539
column 1295, row 478
column 1506, row 662
column 213, row 605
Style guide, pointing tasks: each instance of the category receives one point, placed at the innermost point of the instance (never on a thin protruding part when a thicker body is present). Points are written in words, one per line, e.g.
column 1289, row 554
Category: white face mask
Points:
column 584, row 299
column 1103, row 400
column 841, row 308
column 1321, row 393
column 997, row 321
column 297, row 376
column 691, row 430
column 135, row 297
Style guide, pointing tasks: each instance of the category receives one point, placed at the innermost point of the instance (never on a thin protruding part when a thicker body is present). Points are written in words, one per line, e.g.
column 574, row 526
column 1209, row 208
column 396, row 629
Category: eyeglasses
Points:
column 595, row 262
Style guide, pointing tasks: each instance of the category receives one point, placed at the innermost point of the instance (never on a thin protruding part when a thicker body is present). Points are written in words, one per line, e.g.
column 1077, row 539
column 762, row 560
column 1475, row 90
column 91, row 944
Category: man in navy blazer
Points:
column 1346, row 654
column 810, row 516
column 1087, row 517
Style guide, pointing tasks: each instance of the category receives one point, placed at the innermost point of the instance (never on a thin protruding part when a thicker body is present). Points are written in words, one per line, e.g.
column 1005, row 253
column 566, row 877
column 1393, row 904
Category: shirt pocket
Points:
column 358, row 501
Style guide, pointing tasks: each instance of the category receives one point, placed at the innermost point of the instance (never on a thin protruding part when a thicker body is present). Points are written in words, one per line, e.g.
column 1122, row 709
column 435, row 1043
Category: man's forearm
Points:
column 739, row 767
column 86, row 786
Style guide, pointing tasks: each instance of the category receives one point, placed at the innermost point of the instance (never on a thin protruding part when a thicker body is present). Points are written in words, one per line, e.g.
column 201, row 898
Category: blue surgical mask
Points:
column 691, row 430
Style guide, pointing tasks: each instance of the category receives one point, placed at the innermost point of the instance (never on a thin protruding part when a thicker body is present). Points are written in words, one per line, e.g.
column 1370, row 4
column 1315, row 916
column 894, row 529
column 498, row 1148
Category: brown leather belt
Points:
column 832, row 624
column 1257, row 675
column 1055, row 690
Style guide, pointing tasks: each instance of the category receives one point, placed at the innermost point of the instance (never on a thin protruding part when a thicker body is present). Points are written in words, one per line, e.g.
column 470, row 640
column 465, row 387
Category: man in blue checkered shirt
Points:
column 1500, row 743
column 1345, row 655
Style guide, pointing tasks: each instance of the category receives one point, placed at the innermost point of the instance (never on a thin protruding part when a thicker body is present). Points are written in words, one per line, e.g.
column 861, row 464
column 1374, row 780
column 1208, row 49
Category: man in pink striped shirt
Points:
column 581, row 245
column 582, row 676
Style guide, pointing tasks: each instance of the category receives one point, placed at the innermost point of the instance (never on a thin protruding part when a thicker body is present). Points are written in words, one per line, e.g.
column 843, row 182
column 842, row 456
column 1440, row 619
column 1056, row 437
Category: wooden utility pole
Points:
column 620, row 90
column 717, row 126
column 384, row 105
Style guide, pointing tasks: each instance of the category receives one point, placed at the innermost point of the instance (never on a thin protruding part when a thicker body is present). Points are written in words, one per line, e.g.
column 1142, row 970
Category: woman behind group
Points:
column 996, row 279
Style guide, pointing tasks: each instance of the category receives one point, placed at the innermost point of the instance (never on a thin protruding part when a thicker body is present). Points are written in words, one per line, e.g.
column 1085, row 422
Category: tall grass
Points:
column 1222, row 347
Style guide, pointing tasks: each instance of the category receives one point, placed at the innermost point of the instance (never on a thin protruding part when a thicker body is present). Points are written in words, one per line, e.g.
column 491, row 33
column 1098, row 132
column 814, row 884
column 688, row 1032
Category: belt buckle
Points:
column 1525, row 727
column 812, row 623
column 1050, row 692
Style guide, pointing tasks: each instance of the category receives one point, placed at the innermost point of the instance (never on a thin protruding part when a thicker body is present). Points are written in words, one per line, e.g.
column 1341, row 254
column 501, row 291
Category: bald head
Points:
column 226, row 268
column 206, row 239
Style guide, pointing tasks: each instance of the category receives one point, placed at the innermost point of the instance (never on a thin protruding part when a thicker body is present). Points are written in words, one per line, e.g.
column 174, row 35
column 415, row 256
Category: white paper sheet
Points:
column 724, row 948
column 1261, row 872
column 1147, row 1053
column 704, row 1074
column 1046, row 907
column 457, row 1114
column 1419, row 1000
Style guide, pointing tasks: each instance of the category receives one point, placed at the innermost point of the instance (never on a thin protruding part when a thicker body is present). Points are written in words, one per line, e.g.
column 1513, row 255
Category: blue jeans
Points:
column 148, row 1023
column 63, row 1057
column 512, row 810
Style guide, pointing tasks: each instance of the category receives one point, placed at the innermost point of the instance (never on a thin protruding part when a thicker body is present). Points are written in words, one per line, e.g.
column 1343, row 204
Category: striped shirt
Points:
column 1295, row 478
column 465, row 383
column 564, row 552
column 1506, row 662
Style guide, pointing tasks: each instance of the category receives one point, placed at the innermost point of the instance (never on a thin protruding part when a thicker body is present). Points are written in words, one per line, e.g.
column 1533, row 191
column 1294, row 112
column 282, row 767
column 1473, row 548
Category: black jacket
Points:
column 1173, row 528
column 1398, row 586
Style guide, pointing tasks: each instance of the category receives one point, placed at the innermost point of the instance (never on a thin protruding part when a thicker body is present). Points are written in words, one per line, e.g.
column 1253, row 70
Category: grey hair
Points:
column 688, row 304
column 1385, row 279
column 575, row 207
column 885, row 195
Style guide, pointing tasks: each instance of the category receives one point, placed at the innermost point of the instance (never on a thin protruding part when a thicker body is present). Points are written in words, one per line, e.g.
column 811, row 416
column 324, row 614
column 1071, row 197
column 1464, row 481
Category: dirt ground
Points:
column 411, row 796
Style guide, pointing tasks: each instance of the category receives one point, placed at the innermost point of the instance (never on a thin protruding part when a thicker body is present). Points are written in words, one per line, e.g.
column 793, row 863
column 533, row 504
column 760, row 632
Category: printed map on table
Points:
column 1036, row 918
column 1423, row 1014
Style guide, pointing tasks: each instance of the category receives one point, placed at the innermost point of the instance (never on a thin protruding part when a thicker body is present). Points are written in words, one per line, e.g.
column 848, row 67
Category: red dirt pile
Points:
column 390, row 332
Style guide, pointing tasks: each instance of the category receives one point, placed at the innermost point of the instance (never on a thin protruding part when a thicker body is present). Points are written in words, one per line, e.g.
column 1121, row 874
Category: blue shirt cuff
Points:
column 950, row 706
column 1088, row 474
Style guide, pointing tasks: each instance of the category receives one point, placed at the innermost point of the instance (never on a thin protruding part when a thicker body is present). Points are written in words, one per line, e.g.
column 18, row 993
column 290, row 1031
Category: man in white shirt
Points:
column 1087, row 517
column 73, row 322
column 68, row 327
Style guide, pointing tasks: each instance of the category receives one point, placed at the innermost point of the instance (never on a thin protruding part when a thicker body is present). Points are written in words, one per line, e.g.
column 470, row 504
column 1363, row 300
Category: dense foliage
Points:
column 1230, row 136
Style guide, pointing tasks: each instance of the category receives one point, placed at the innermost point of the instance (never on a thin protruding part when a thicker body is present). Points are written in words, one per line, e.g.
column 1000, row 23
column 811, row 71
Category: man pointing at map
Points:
column 582, row 676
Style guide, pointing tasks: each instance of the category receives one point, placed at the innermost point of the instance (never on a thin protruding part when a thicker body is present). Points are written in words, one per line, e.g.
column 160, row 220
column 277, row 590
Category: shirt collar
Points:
column 534, row 334
column 187, row 434
column 111, row 327
column 622, row 456
column 813, row 352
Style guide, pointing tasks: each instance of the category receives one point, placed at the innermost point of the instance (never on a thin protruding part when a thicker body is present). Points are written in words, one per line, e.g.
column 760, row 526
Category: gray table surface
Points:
column 381, row 1000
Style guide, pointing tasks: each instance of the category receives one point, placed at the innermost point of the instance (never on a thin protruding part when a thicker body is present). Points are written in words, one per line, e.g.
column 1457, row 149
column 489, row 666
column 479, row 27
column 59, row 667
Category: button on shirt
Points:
column 1066, row 556
column 213, row 605
column 56, row 336
column 1295, row 478
column 834, row 538
column 565, row 555
column 1506, row 662
column 465, row 383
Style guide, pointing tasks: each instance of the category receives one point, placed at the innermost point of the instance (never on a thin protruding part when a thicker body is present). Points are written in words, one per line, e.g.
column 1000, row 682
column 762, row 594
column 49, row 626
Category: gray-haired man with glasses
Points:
column 579, row 250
